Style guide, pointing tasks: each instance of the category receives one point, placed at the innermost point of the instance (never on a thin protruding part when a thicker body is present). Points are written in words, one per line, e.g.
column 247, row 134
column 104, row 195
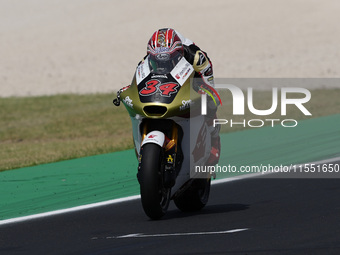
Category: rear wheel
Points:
column 155, row 198
column 195, row 197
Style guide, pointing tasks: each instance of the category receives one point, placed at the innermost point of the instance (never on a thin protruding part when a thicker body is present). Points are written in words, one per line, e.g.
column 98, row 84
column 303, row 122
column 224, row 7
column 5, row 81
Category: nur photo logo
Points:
column 280, row 98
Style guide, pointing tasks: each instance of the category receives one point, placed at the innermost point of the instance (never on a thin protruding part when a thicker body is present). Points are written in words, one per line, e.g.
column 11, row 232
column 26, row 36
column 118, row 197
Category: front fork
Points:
column 171, row 156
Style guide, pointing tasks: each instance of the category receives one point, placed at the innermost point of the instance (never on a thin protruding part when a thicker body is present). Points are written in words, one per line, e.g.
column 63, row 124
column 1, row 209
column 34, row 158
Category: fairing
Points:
column 161, row 95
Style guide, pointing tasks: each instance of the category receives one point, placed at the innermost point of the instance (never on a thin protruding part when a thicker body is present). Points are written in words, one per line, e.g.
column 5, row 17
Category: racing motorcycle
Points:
column 170, row 135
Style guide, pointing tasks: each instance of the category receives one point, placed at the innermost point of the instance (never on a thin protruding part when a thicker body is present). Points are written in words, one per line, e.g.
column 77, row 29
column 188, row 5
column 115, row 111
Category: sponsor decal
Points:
column 186, row 73
column 182, row 70
column 128, row 101
column 162, row 50
column 142, row 71
column 163, row 56
column 159, row 76
column 170, row 159
column 154, row 137
column 185, row 104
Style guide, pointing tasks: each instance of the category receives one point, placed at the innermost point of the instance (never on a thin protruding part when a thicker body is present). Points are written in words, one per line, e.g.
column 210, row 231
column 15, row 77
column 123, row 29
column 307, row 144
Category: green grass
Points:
column 36, row 130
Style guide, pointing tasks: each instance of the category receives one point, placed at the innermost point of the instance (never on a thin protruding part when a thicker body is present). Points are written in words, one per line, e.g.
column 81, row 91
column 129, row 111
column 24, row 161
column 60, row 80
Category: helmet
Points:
column 165, row 50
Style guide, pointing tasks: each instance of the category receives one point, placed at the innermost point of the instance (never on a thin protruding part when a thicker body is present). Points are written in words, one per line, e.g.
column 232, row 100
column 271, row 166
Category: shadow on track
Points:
column 208, row 210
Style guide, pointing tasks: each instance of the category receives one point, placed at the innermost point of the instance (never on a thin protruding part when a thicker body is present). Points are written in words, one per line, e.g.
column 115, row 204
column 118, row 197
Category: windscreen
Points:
column 163, row 63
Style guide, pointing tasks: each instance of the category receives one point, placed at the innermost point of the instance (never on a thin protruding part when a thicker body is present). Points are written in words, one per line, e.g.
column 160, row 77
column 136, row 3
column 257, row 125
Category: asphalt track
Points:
column 249, row 216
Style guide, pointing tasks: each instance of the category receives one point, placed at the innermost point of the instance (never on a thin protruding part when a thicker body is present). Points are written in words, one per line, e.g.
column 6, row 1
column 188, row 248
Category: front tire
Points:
column 155, row 198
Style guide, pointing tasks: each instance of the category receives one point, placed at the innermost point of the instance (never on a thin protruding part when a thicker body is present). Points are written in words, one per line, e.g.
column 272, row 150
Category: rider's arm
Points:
column 200, row 62
column 203, row 67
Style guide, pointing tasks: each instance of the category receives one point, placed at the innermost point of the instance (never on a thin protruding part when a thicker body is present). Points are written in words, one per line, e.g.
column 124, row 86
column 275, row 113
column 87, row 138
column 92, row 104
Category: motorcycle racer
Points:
column 171, row 102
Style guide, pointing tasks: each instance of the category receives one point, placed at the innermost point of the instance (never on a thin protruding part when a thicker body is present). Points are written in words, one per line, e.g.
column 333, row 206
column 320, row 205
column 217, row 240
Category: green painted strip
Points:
column 66, row 184
column 311, row 140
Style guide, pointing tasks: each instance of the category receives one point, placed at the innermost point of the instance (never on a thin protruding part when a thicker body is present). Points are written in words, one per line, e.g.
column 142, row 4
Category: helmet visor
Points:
column 163, row 63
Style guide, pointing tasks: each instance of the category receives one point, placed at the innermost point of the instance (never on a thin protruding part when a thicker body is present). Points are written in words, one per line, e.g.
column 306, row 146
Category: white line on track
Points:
column 141, row 235
column 68, row 210
column 125, row 199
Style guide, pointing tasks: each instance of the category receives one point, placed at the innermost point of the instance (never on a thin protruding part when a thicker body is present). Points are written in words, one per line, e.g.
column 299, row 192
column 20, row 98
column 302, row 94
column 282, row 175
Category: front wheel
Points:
column 155, row 198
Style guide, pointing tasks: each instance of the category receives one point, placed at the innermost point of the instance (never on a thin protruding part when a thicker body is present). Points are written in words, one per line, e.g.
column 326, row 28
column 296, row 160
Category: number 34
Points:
column 153, row 86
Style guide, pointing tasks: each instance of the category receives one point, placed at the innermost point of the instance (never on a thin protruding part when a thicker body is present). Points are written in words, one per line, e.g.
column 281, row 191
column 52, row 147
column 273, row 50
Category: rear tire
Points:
column 195, row 197
column 155, row 198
